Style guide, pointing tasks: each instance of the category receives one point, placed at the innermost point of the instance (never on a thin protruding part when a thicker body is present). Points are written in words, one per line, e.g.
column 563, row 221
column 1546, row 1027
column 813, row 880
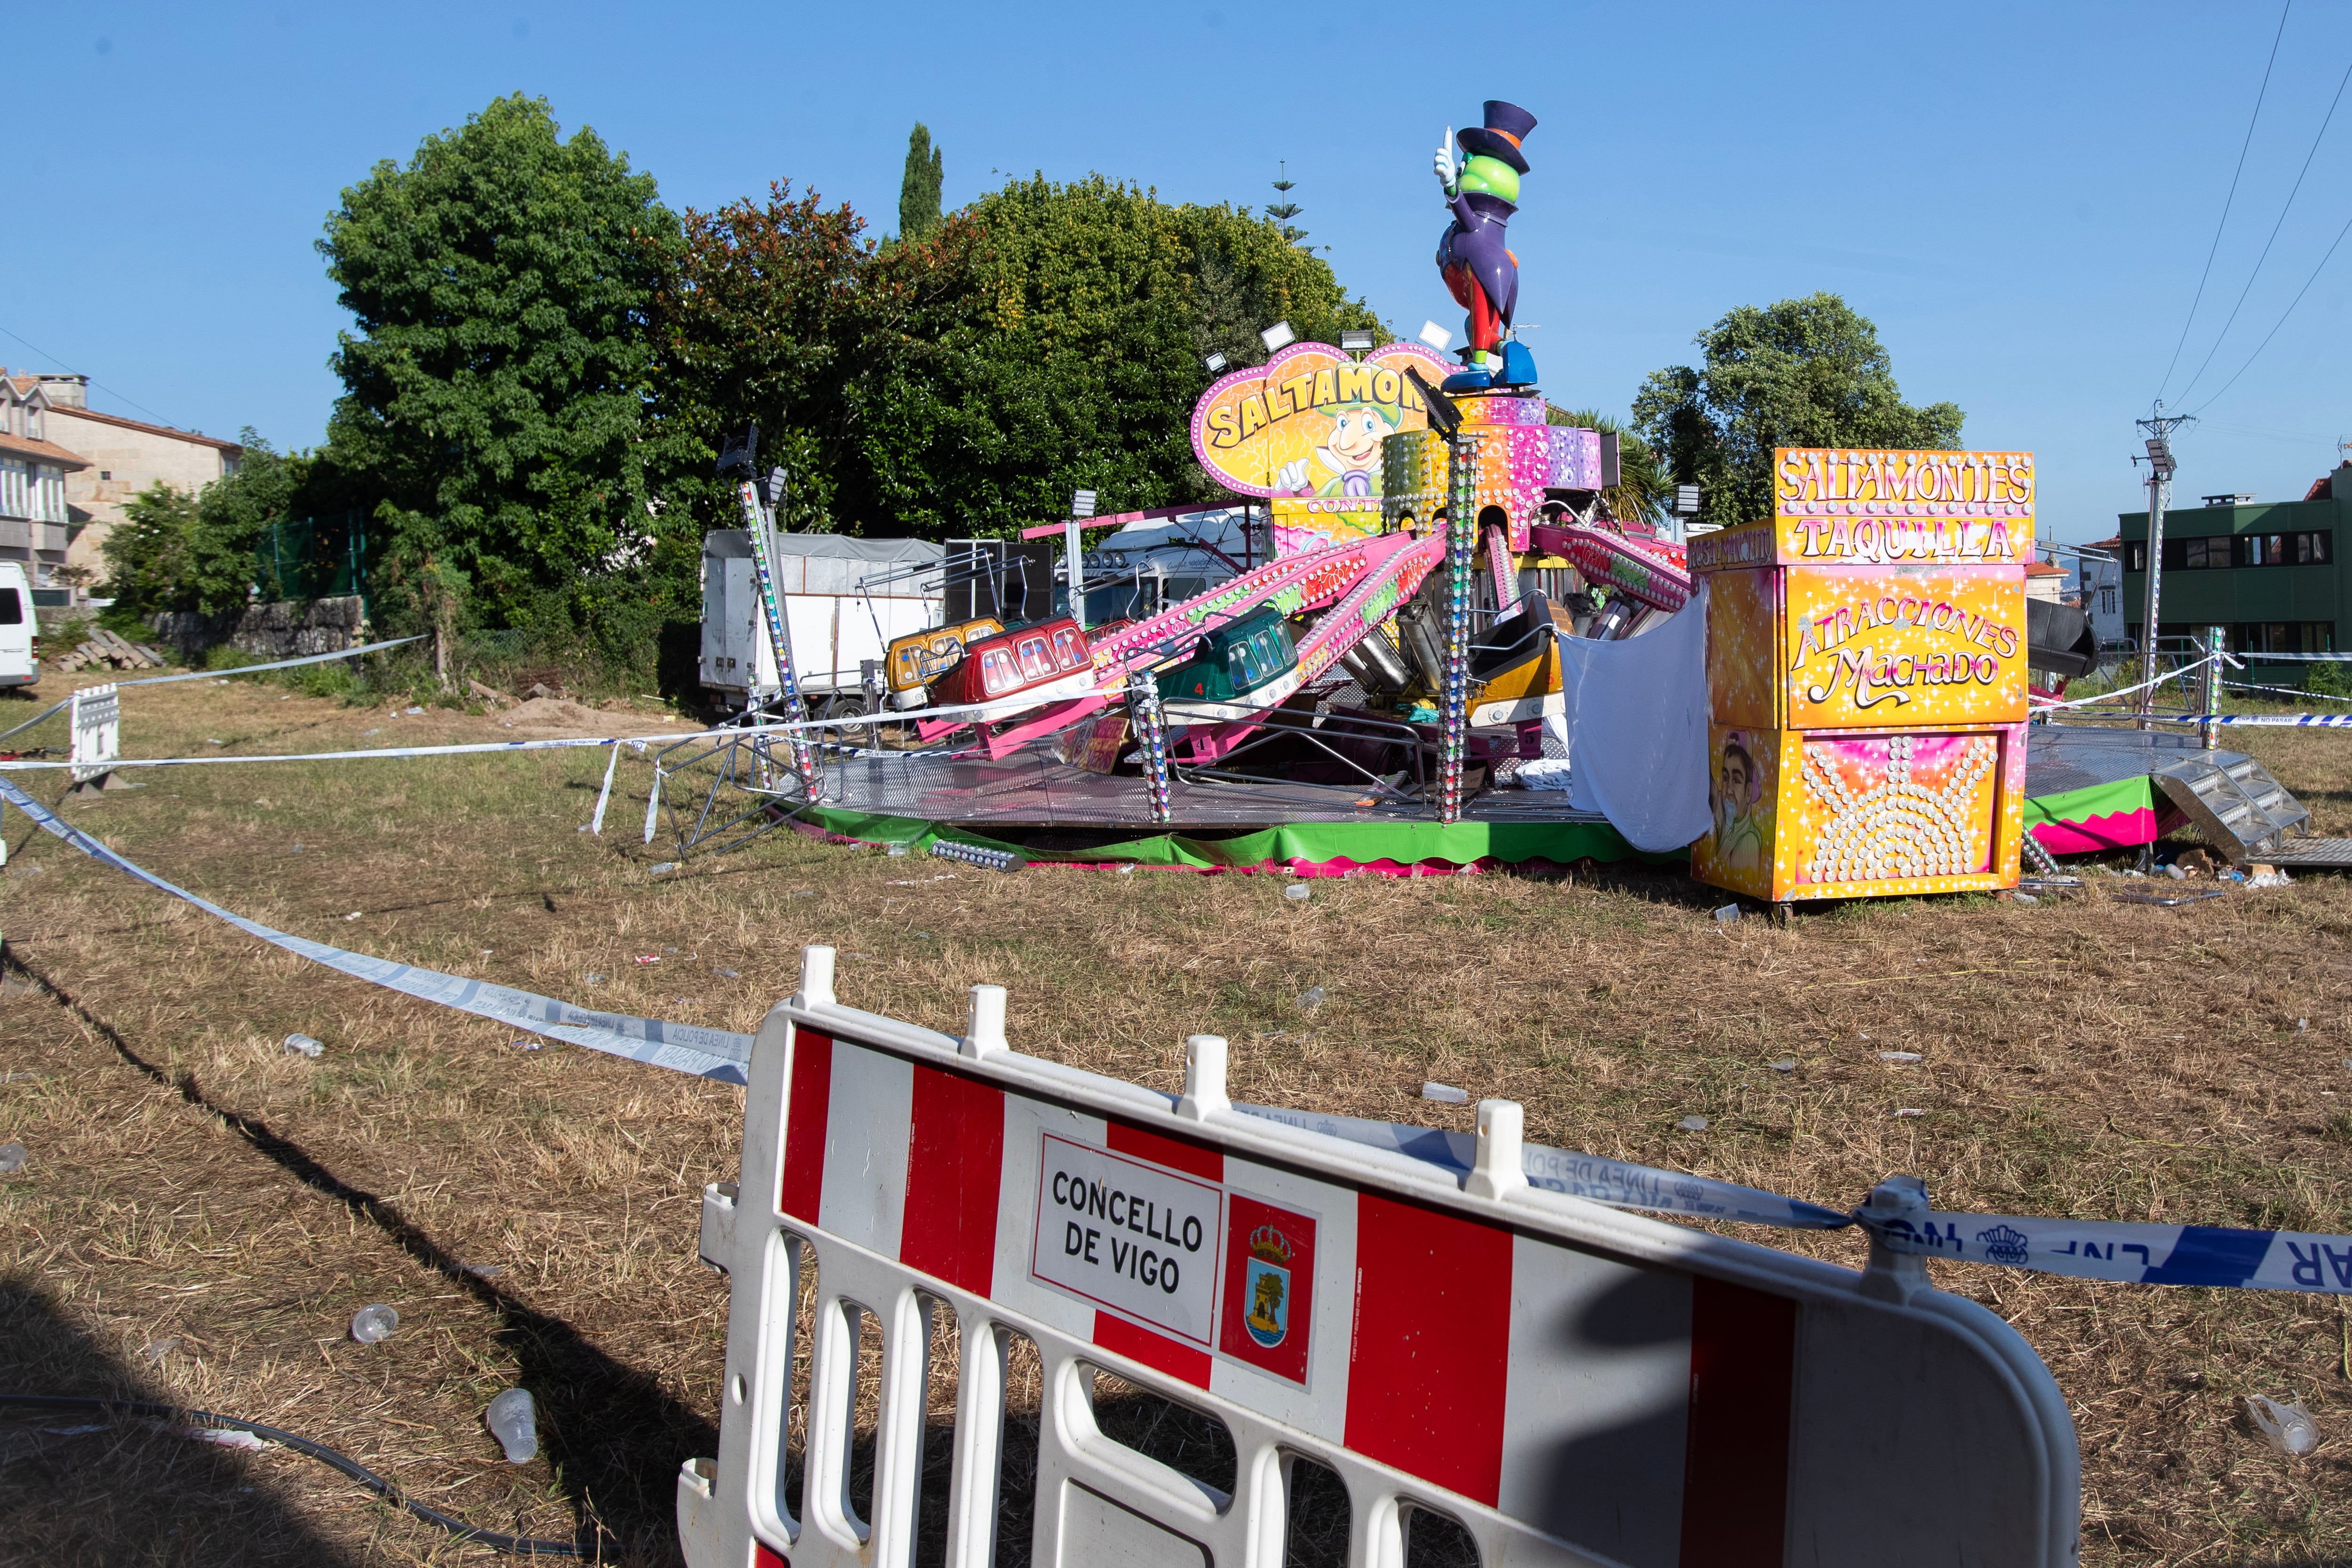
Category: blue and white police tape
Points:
column 2284, row 691
column 682, row 1048
column 2283, row 720
column 222, row 674
column 469, row 748
column 2132, row 1254
column 2116, row 1250
column 2053, row 706
column 1612, row 1182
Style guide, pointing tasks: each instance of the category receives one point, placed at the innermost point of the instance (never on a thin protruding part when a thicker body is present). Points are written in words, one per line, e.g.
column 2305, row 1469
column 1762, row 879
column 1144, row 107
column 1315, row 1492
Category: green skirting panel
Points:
column 2091, row 801
column 1299, row 846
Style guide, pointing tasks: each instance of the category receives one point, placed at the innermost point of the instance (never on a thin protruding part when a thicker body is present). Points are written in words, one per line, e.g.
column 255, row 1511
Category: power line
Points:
column 100, row 385
column 2291, row 304
column 2216, row 246
column 2275, row 231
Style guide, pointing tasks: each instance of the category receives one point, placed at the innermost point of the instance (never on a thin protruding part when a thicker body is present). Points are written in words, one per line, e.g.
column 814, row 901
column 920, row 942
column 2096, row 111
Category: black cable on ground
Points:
column 389, row 1491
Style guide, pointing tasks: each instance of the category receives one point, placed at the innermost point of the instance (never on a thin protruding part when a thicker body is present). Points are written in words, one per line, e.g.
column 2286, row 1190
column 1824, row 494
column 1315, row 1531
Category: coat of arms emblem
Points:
column 1267, row 1288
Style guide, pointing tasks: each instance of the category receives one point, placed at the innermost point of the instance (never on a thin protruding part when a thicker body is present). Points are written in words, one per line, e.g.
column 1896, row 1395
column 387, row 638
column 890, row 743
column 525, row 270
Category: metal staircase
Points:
column 2242, row 810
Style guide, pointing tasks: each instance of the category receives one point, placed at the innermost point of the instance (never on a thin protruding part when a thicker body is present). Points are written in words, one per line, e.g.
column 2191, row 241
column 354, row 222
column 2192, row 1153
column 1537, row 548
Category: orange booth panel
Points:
column 1854, row 814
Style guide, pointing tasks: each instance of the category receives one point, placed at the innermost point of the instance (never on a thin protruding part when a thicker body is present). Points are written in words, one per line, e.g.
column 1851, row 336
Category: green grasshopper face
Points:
column 1492, row 176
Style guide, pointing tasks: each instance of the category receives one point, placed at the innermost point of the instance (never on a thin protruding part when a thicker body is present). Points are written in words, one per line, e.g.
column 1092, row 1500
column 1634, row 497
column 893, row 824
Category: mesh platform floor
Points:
column 2335, row 853
column 2061, row 756
column 1030, row 788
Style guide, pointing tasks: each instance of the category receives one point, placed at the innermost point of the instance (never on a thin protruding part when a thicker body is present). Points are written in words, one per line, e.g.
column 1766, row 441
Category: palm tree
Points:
column 1642, row 488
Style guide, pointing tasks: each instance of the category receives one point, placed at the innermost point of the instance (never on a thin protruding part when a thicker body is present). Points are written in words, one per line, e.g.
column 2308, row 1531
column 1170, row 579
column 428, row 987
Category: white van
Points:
column 20, row 644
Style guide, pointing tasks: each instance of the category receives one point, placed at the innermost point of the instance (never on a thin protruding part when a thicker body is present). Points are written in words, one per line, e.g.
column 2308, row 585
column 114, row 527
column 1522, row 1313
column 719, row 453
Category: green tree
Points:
column 1283, row 210
column 495, row 384
column 757, row 321
column 150, row 554
column 1069, row 352
column 1801, row 372
column 1640, row 494
column 177, row 551
column 918, row 187
column 1046, row 339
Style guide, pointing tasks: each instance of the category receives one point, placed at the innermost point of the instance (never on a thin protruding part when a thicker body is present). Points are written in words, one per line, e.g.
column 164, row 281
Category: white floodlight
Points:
column 2159, row 457
column 1436, row 337
column 1082, row 504
column 1278, row 337
column 1687, row 500
column 1356, row 341
column 1217, row 363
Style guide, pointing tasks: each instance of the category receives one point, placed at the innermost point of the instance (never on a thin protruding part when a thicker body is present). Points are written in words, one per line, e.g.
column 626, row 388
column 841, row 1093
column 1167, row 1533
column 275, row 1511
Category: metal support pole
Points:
column 2157, row 486
column 2159, row 426
column 1074, row 558
column 1150, row 723
column 2217, row 643
column 755, row 523
column 1461, row 546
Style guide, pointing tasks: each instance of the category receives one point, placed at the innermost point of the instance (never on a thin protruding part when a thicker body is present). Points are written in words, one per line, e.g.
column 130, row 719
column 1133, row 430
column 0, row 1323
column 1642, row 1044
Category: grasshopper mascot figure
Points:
column 1480, row 271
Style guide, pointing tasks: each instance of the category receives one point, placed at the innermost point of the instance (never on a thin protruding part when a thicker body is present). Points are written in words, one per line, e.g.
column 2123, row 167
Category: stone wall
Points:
column 287, row 630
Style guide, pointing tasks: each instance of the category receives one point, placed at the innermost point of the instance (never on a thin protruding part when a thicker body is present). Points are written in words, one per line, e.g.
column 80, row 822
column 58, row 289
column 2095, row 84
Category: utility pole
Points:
column 2160, row 467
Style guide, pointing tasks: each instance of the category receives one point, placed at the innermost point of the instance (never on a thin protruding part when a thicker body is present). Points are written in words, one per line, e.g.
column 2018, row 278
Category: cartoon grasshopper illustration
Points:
column 1474, row 258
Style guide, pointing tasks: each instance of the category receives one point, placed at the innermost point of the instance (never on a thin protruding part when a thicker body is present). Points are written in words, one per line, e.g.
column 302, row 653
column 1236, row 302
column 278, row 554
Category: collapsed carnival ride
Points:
column 1442, row 564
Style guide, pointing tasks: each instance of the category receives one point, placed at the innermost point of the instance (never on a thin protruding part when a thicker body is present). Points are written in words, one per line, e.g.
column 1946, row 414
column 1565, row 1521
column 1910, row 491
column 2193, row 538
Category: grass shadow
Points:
column 85, row 1488
column 613, row 1437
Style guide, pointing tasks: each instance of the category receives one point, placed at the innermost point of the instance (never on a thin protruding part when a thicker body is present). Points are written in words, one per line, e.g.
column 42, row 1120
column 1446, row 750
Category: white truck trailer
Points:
column 844, row 600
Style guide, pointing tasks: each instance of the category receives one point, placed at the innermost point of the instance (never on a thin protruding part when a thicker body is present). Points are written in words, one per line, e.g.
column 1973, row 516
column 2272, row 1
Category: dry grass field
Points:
column 202, row 1212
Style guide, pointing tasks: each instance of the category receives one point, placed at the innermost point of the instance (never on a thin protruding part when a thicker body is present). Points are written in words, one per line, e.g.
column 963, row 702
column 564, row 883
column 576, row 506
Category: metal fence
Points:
column 312, row 558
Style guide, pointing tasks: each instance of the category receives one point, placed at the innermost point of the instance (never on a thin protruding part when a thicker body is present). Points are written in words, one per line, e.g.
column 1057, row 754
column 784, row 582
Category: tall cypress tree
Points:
column 919, row 188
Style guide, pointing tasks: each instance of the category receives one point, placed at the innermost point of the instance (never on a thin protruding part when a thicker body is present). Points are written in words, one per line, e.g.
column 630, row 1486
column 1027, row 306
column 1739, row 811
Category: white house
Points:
column 122, row 457
column 34, row 519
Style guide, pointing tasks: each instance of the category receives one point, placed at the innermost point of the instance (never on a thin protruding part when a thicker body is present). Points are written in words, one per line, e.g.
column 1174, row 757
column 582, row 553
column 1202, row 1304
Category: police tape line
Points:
column 2117, row 1250
column 682, row 1048
column 221, row 676
column 1612, row 1182
column 2185, row 670
column 2285, row 720
column 2284, row 691
column 467, row 748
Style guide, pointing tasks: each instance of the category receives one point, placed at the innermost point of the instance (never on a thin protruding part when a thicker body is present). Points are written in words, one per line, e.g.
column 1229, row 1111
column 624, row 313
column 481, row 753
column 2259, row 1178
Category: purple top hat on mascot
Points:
column 1474, row 257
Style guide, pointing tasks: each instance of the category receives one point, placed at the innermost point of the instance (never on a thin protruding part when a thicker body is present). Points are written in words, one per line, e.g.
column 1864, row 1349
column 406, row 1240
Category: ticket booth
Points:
column 1865, row 668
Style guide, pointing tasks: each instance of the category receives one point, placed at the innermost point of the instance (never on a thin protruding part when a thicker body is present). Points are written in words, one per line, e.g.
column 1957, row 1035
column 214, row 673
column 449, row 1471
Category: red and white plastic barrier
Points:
column 1569, row 1383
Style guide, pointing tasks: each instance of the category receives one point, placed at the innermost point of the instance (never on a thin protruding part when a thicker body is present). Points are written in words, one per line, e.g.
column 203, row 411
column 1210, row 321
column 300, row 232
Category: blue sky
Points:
column 2023, row 200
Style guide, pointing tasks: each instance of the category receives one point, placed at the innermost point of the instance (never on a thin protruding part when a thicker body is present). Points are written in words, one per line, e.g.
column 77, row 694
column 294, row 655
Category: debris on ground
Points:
column 2288, row 1426
column 514, row 1422
column 106, row 651
column 374, row 1324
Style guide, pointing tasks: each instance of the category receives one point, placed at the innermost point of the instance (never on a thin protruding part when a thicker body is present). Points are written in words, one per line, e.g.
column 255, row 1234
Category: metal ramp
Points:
column 2242, row 810
column 2315, row 854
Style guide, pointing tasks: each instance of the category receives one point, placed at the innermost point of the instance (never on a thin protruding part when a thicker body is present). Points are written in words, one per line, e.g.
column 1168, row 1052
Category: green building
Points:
column 2269, row 572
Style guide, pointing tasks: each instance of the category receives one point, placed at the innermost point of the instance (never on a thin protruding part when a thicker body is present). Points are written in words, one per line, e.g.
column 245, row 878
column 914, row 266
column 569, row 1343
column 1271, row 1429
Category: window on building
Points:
column 106, row 473
column 2283, row 637
column 2311, row 547
column 2135, row 557
column 32, row 423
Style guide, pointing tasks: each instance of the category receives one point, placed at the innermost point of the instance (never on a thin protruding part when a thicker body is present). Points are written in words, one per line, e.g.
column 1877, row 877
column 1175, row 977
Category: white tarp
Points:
column 1636, row 728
